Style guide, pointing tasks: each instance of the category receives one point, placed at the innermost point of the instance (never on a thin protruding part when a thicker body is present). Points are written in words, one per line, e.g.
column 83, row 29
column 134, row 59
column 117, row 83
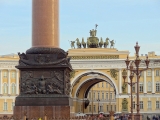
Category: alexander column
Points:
column 44, row 68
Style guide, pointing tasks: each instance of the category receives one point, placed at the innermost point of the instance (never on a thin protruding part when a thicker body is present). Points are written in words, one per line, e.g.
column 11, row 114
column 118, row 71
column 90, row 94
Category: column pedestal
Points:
column 36, row 112
column 137, row 117
column 44, row 84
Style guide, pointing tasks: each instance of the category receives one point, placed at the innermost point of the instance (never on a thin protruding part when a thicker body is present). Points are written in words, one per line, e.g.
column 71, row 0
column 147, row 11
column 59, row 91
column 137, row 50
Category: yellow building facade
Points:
column 9, row 83
column 97, row 77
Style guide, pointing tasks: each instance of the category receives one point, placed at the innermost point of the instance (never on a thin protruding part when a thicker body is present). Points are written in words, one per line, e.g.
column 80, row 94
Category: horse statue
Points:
column 78, row 43
column 88, row 43
column 83, row 43
column 112, row 44
column 106, row 43
column 72, row 44
column 101, row 43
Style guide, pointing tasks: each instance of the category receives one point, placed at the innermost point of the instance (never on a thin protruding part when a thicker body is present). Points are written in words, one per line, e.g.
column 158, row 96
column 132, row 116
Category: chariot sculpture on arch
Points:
column 93, row 41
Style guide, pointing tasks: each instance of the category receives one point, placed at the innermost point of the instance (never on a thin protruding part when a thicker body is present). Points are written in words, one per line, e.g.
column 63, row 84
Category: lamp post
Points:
column 98, row 103
column 111, row 112
column 131, row 83
column 136, row 70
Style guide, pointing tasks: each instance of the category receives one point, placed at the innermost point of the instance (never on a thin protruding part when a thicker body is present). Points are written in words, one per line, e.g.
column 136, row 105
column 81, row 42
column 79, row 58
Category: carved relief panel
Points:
column 42, row 82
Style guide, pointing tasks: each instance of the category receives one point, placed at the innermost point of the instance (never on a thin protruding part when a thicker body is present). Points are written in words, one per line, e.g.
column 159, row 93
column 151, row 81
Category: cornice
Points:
column 108, row 64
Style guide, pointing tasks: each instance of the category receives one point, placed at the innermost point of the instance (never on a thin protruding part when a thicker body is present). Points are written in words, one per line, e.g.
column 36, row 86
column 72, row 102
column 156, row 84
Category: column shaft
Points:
column 45, row 23
column 153, row 90
column 145, row 88
column 129, row 87
column 9, row 82
column 17, row 82
column 1, row 82
column 120, row 81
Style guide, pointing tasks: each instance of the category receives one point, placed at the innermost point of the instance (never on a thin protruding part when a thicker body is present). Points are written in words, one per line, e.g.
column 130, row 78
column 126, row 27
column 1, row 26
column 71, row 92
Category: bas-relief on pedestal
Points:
column 44, row 83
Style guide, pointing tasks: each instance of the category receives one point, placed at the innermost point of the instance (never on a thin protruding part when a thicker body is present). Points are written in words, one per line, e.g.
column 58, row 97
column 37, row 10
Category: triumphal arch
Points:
column 98, row 61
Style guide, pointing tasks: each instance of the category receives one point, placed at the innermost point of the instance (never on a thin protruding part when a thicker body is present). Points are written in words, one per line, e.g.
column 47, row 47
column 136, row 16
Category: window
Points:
column 141, row 104
column 102, row 84
column 13, row 104
column 106, row 96
column 94, row 95
column 157, row 72
column 5, row 106
column 94, row 107
column 101, row 108
column 102, row 96
column 149, row 104
column 140, row 87
column 5, row 74
column 13, row 74
column 110, row 96
column 13, row 88
column 89, row 108
column 133, row 88
column 89, row 95
column 134, row 105
column 106, row 84
column 97, row 84
column 149, row 73
column 79, row 108
column 98, row 95
column 157, row 87
column 113, row 96
column 149, row 86
column 141, row 74
column 107, row 107
column 157, row 105
column 5, row 87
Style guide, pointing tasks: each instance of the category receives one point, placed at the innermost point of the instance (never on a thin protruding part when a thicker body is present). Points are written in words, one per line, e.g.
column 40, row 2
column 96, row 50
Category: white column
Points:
column 145, row 85
column 153, row 90
column 120, row 81
column 129, row 87
column 136, row 85
column 17, row 82
column 1, row 82
column 9, row 81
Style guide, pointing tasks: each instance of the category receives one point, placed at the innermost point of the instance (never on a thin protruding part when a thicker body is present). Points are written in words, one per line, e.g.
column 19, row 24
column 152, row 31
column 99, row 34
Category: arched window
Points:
column 13, row 88
column 5, row 87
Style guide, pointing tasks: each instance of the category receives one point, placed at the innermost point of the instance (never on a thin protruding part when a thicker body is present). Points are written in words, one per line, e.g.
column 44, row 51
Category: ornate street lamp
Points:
column 136, row 71
column 131, row 83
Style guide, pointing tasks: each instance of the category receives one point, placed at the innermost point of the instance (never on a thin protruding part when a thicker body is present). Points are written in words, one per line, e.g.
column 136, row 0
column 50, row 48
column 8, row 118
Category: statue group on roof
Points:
column 93, row 41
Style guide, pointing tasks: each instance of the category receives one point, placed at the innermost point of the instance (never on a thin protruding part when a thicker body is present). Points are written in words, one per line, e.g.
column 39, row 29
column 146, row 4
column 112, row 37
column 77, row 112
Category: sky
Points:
column 125, row 21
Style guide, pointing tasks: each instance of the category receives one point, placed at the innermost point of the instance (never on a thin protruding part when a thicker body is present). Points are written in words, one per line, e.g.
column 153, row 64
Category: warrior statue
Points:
column 42, row 85
column 101, row 43
column 112, row 43
column 78, row 43
column 106, row 43
column 83, row 43
column 124, row 104
column 88, row 43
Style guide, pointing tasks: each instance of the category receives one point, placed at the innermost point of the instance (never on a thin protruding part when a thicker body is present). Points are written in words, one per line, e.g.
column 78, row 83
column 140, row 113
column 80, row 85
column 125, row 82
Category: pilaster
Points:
column 153, row 90
column 145, row 85
column 1, row 82
column 9, row 82
column 17, row 82
column 120, row 81
column 129, row 87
